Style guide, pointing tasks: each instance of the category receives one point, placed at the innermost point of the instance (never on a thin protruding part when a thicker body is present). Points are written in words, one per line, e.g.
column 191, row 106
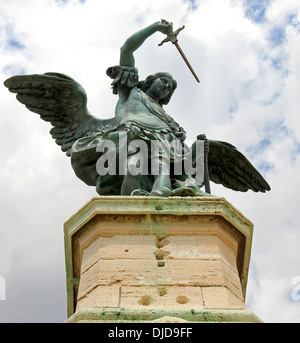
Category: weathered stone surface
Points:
column 221, row 297
column 150, row 273
column 197, row 247
column 119, row 247
column 157, row 254
column 157, row 297
column 100, row 296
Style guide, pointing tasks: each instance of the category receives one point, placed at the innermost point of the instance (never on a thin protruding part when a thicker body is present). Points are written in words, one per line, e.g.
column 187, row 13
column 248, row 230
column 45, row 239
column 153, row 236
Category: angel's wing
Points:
column 60, row 100
column 229, row 167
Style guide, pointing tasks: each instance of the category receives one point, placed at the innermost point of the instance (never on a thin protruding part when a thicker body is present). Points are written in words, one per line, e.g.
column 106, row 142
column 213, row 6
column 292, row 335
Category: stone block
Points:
column 221, row 297
column 119, row 247
column 197, row 247
column 100, row 296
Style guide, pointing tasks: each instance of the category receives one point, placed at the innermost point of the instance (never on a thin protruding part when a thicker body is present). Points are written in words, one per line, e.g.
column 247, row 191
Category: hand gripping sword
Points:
column 172, row 37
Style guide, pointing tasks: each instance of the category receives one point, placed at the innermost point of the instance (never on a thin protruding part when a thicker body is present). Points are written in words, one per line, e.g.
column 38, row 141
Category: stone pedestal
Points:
column 145, row 259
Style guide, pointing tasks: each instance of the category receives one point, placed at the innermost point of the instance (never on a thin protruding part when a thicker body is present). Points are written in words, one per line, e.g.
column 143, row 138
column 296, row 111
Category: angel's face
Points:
column 160, row 88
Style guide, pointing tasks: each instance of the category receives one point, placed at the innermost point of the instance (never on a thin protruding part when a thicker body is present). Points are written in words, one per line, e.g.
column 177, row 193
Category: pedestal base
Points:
column 139, row 259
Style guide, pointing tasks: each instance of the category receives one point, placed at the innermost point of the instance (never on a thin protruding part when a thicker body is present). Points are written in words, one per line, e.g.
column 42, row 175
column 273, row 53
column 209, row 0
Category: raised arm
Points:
column 138, row 38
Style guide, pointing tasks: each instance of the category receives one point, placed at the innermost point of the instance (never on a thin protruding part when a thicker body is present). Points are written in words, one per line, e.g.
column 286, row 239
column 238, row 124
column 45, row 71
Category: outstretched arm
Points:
column 137, row 39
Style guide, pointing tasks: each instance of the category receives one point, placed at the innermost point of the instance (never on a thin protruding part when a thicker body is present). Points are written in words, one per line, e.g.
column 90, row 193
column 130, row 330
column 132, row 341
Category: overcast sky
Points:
column 246, row 54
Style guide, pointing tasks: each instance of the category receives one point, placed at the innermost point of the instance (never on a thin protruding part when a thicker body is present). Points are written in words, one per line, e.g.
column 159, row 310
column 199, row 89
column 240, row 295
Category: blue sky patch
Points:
column 277, row 63
column 256, row 9
column 193, row 4
column 274, row 131
column 275, row 127
column 257, row 148
column 15, row 44
column 14, row 69
column 264, row 167
column 10, row 39
column 277, row 35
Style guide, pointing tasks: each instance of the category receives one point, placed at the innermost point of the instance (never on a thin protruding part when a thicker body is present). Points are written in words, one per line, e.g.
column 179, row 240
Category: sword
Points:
column 172, row 37
column 206, row 172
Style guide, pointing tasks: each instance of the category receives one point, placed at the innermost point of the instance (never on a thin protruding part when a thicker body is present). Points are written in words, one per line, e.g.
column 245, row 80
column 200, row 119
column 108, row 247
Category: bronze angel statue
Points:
column 139, row 122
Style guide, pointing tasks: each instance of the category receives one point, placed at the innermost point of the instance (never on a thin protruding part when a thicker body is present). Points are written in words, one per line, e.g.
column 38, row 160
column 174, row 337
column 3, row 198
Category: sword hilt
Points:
column 172, row 35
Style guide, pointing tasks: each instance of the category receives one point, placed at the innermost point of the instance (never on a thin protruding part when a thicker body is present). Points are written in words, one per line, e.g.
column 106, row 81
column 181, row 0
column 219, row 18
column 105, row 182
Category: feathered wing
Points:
column 60, row 100
column 229, row 167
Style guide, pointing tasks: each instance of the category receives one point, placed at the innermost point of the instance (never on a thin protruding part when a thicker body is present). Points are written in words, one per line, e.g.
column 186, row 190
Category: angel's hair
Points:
column 144, row 85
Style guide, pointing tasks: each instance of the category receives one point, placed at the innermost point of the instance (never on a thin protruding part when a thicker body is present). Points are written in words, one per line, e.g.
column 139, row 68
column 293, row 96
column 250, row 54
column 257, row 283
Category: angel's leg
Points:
column 130, row 182
column 162, row 183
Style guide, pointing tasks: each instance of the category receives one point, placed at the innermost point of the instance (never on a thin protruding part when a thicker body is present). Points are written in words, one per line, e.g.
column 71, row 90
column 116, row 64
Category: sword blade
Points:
column 186, row 61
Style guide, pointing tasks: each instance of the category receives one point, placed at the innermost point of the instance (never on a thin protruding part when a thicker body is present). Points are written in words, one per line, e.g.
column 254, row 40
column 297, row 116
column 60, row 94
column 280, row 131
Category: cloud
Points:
column 247, row 57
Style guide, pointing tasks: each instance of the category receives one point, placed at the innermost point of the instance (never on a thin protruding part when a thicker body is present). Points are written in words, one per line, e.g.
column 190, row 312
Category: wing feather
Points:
column 229, row 167
column 60, row 100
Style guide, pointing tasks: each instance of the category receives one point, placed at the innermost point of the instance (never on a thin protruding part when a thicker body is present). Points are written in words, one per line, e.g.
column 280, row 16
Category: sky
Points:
column 246, row 54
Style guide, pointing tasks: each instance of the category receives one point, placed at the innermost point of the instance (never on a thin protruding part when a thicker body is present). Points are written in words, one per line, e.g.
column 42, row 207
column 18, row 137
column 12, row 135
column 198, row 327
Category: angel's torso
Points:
column 134, row 110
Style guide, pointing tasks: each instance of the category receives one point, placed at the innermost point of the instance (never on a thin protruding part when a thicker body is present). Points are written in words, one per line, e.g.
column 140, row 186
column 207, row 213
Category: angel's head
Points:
column 159, row 86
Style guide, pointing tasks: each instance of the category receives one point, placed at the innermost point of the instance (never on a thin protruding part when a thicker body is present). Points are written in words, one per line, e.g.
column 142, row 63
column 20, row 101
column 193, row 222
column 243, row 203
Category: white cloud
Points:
column 248, row 95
